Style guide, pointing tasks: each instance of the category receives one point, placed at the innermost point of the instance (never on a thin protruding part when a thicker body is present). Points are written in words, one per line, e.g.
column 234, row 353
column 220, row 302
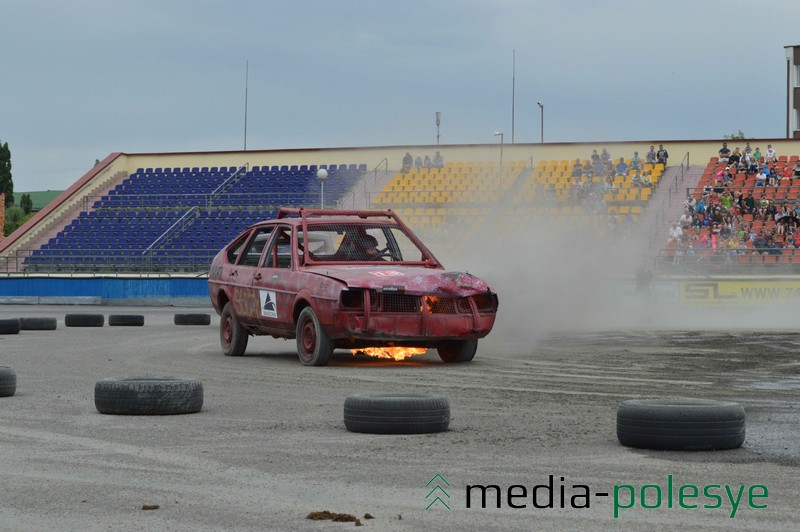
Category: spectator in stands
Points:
column 727, row 177
column 636, row 161
column 675, row 232
column 787, row 176
column 773, row 177
column 685, row 220
column 796, row 169
column 771, row 156
column 588, row 170
column 418, row 162
column 724, row 153
column 650, row 156
column 662, row 155
column 577, row 168
column 608, row 184
column 408, row 162
column 599, row 169
column 690, row 203
column 595, row 157
column 622, row 167
column 748, row 149
column 438, row 160
column 735, row 158
column 761, row 178
column 726, row 200
column 647, row 179
column 427, row 163
column 636, row 180
column 701, row 205
column 605, row 156
column 752, row 167
column 749, row 203
column 757, row 154
column 760, row 244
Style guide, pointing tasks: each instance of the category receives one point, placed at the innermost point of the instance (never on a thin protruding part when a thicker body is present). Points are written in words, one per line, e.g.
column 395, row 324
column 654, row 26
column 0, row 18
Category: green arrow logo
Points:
column 437, row 480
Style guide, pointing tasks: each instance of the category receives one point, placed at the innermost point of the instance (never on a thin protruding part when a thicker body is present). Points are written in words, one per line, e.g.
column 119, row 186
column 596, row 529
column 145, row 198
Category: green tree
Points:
column 26, row 203
column 6, row 182
column 15, row 217
column 735, row 136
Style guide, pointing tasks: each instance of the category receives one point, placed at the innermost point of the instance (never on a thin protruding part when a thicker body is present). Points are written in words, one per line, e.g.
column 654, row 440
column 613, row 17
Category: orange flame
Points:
column 429, row 301
column 396, row 353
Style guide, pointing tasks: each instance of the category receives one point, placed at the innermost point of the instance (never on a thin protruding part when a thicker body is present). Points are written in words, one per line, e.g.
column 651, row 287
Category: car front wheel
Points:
column 313, row 346
column 457, row 350
column 232, row 336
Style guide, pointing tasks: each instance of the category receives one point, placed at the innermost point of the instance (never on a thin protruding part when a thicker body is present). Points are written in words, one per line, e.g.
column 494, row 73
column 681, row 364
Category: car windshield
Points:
column 343, row 242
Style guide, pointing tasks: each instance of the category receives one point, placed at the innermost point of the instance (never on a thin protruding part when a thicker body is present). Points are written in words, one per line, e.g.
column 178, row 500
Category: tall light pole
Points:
column 438, row 123
column 541, row 109
column 322, row 175
column 500, row 134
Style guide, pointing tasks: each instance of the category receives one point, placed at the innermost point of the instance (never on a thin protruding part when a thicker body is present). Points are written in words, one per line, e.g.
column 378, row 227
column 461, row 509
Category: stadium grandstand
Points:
column 171, row 212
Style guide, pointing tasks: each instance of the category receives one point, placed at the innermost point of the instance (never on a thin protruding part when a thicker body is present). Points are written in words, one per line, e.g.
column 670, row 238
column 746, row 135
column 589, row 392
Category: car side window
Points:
column 255, row 246
column 280, row 250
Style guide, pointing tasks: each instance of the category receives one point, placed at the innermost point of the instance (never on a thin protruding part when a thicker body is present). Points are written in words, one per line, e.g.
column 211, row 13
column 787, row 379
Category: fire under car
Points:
column 357, row 280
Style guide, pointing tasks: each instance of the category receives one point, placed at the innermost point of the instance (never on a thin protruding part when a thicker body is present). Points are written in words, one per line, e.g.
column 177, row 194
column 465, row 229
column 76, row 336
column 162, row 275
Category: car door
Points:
column 274, row 281
column 245, row 296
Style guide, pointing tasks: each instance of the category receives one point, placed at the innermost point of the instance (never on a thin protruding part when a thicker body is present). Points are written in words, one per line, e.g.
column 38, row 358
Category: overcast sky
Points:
column 80, row 79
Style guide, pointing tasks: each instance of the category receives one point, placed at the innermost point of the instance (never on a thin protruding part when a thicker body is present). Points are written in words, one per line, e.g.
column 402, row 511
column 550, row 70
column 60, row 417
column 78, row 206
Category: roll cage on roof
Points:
column 388, row 215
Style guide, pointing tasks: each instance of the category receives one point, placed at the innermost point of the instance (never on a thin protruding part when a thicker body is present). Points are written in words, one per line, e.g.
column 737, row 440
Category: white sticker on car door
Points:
column 268, row 304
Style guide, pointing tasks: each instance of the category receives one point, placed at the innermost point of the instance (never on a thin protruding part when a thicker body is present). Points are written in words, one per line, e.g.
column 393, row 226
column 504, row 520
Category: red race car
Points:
column 359, row 280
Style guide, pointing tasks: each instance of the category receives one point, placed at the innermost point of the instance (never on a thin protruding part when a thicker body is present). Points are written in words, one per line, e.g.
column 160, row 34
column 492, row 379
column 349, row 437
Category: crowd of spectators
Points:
column 409, row 162
column 726, row 222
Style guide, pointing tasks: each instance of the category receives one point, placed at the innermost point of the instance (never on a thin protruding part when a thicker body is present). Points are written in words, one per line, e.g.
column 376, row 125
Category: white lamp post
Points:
column 500, row 134
column 322, row 175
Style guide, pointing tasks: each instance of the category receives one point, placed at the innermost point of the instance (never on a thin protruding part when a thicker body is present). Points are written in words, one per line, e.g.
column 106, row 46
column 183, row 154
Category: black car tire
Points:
column 84, row 320
column 457, row 350
column 680, row 424
column 148, row 396
column 232, row 336
column 8, row 382
column 401, row 413
column 192, row 319
column 126, row 320
column 10, row 326
column 314, row 347
column 38, row 324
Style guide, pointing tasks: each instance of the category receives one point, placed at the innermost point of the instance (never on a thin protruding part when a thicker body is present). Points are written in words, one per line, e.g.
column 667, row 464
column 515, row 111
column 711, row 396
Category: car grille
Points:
column 383, row 302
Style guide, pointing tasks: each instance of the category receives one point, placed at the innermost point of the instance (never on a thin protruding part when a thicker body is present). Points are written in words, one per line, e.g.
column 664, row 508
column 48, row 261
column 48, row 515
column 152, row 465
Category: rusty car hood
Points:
column 408, row 279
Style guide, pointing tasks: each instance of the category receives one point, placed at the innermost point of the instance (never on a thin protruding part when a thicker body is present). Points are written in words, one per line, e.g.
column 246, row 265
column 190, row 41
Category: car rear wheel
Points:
column 232, row 336
column 457, row 350
column 313, row 346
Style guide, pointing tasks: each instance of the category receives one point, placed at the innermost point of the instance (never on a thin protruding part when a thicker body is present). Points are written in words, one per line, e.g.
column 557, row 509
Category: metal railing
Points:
column 662, row 210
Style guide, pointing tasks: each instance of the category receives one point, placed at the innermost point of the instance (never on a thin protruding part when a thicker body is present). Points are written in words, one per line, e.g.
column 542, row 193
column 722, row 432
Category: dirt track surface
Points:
column 270, row 447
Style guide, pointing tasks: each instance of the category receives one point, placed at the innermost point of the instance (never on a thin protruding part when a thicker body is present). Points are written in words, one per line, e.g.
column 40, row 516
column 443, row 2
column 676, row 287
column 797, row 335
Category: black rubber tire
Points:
column 680, row 424
column 126, row 320
column 232, row 336
column 10, row 326
column 457, row 350
column 148, row 396
column 8, row 382
column 192, row 319
column 38, row 324
column 399, row 413
column 314, row 347
column 84, row 320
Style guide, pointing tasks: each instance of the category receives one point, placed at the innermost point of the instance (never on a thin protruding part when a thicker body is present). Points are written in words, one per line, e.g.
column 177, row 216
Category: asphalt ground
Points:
column 269, row 446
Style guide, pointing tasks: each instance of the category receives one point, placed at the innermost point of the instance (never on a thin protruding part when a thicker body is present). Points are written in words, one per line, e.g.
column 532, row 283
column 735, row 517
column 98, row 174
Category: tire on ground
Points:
column 453, row 351
column 10, row 326
column 126, row 320
column 192, row 319
column 84, row 320
column 38, row 324
column 8, row 382
column 148, row 396
column 398, row 413
column 680, row 424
